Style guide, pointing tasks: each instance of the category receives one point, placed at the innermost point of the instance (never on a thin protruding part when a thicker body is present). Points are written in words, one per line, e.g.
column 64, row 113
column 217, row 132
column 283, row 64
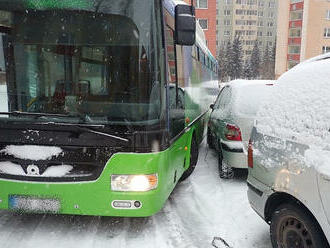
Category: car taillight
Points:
column 233, row 133
column 250, row 155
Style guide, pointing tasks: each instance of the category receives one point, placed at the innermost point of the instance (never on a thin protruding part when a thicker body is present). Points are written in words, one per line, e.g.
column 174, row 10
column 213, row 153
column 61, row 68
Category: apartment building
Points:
column 253, row 20
column 206, row 15
column 303, row 32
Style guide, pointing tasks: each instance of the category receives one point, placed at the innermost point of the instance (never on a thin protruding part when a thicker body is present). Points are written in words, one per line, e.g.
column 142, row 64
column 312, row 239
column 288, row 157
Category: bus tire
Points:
column 193, row 159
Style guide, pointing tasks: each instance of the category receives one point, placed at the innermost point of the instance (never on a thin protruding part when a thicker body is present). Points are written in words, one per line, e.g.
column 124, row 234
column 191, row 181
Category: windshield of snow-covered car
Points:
column 96, row 59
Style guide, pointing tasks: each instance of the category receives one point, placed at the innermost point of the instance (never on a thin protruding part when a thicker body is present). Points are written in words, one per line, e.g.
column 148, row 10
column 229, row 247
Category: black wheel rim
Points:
column 292, row 233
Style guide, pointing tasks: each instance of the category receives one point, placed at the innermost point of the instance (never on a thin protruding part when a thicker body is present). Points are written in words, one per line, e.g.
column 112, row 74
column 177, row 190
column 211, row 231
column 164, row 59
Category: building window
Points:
column 328, row 15
column 226, row 33
column 270, row 24
column 296, row 15
column 203, row 23
column 226, row 12
column 228, row 1
column 325, row 49
column 261, row 3
column 292, row 63
column 271, row 5
column 269, row 34
column 271, row 15
column 201, row 4
column 227, row 22
column 259, row 33
column 326, row 32
column 294, row 49
column 295, row 33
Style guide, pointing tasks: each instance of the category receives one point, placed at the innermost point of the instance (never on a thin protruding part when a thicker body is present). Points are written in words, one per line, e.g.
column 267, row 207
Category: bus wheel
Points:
column 193, row 159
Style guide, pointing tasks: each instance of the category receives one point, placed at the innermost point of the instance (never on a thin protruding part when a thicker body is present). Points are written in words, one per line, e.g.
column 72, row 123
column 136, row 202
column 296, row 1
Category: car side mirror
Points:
column 212, row 106
column 185, row 25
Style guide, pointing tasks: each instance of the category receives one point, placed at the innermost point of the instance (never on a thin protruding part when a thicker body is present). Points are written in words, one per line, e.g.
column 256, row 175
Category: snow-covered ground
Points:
column 199, row 209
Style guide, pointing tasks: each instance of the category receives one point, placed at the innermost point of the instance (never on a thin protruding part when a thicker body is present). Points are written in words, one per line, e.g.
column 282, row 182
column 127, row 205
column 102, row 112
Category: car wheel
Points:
column 293, row 227
column 209, row 139
column 225, row 171
column 193, row 159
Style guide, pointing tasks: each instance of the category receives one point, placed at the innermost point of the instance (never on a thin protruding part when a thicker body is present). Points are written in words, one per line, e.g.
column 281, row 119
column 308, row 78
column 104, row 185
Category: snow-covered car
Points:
column 231, row 122
column 289, row 157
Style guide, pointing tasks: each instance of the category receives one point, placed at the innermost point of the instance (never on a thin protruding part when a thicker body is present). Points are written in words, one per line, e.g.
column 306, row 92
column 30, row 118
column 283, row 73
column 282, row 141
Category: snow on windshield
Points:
column 250, row 94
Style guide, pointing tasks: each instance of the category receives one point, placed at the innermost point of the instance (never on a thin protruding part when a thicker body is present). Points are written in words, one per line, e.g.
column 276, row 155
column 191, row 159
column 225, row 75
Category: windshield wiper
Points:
column 85, row 128
column 80, row 126
column 37, row 115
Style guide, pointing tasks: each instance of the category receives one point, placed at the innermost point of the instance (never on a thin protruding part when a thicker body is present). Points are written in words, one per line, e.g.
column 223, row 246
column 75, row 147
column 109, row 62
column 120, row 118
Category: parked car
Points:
column 289, row 157
column 231, row 122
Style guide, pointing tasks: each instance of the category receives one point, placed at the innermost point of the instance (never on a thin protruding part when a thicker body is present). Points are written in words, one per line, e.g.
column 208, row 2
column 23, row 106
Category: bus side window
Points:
column 176, row 112
column 170, row 55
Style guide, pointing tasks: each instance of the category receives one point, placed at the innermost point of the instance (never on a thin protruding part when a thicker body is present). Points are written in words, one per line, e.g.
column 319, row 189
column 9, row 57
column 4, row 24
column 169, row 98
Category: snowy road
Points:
column 199, row 209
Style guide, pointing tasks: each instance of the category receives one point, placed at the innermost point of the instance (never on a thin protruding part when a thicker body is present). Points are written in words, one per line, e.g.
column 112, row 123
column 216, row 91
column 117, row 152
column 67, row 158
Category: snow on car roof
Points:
column 245, row 82
column 299, row 107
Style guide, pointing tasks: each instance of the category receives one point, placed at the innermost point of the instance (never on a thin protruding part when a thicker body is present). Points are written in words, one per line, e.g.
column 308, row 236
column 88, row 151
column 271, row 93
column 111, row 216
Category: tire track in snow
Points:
column 172, row 228
column 17, row 230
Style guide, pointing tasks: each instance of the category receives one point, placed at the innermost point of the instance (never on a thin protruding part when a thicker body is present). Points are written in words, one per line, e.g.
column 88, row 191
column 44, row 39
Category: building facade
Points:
column 303, row 32
column 206, row 15
column 252, row 20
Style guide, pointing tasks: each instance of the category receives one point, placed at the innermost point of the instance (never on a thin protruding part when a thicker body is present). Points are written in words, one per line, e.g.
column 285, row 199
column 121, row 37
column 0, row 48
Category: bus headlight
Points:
column 137, row 183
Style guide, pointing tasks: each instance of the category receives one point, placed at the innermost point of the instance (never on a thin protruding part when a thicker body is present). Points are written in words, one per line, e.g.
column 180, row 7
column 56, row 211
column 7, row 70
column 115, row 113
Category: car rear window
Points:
column 249, row 98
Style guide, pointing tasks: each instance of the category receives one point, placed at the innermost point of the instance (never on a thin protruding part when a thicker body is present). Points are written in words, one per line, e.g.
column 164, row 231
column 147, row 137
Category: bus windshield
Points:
column 87, row 61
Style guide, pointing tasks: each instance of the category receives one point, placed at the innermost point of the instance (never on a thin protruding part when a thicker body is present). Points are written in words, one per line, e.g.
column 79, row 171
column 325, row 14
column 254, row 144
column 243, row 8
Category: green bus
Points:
column 101, row 104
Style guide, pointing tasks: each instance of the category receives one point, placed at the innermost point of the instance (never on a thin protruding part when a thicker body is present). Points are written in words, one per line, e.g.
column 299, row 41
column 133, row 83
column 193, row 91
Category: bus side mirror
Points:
column 185, row 25
column 212, row 106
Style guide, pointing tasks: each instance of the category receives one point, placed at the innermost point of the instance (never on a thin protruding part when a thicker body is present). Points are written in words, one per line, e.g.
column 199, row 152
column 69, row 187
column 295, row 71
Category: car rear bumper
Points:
column 234, row 156
column 258, row 194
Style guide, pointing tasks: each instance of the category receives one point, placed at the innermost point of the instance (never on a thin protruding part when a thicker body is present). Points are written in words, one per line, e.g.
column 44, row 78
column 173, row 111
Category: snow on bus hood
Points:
column 52, row 171
column 29, row 152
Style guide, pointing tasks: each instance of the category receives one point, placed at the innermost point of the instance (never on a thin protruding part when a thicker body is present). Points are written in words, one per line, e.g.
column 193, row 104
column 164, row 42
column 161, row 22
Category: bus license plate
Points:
column 33, row 204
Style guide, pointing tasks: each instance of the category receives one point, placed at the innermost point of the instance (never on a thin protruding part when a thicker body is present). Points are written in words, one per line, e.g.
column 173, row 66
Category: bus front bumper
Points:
column 91, row 197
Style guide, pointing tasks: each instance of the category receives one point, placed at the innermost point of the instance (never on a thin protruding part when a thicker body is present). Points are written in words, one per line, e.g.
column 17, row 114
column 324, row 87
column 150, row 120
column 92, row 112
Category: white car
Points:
column 231, row 122
column 289, row 158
